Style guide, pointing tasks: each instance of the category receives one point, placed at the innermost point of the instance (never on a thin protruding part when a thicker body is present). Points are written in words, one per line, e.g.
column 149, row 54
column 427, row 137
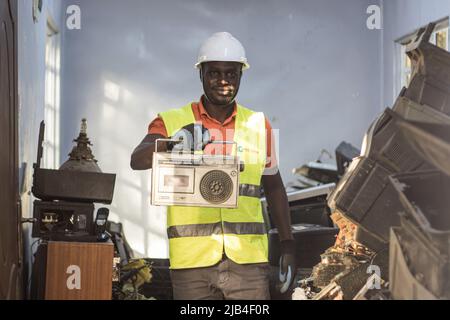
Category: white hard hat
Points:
column 222, row 46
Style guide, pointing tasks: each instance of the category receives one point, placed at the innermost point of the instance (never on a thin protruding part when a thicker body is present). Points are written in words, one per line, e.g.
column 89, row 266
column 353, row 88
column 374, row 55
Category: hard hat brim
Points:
column 245, row 65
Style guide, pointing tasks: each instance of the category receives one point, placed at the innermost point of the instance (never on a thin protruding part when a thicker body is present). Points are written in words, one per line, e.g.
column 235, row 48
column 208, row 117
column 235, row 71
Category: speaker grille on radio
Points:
column 216, row 186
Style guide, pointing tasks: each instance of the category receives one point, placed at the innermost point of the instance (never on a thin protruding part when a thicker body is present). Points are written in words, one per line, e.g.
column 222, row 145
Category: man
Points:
column 223, row 253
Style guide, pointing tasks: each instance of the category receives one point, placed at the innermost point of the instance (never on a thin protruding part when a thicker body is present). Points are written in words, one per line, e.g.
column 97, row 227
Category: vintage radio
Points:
column 190, row 179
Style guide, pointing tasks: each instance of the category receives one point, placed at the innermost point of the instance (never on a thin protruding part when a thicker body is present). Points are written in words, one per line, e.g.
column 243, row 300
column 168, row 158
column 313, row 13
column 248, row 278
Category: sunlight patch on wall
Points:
column 108, row 111
column 135, row 236
column 157, row 247
column 111, row 90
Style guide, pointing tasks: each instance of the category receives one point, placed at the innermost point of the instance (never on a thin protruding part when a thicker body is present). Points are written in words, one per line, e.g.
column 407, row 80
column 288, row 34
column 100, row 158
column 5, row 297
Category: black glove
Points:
column 287, row 264
column 192, row 137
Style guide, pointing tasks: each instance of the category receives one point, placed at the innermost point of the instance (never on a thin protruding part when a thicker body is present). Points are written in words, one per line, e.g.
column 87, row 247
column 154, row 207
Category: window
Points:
column 50, row 157
column 440, row 38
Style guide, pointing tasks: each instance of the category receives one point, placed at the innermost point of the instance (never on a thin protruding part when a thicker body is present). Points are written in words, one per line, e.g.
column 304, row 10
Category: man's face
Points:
column 221, row 81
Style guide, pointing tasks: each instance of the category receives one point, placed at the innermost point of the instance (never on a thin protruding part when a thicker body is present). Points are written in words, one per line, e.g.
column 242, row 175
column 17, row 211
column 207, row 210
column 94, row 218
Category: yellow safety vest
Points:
column 198, row 236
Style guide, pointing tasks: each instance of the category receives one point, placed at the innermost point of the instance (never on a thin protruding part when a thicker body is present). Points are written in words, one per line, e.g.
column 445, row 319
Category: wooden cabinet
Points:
column 79, row 271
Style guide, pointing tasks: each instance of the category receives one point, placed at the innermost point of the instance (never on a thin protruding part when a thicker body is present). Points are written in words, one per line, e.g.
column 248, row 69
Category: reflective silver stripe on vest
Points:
column 194, row 230
column 207, row 229
column 249, row 190
column 244, row 227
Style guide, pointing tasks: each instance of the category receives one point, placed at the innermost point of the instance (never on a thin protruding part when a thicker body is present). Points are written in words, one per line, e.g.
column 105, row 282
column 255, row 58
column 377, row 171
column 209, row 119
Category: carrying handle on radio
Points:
column 181, row 140
column 222, row 142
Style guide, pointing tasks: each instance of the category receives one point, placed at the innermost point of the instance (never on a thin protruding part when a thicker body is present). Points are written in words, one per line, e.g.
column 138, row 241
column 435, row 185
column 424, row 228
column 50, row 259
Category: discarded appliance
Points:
column 305, row 206
column 403, row 285
column 424, row 233
column 79, row 179
column 316, row 173
column 430, row 83
column 312, row 228
column 345, row 153
column 65, row 210
column 310, row 241
column 192, row 179
column 430, row 141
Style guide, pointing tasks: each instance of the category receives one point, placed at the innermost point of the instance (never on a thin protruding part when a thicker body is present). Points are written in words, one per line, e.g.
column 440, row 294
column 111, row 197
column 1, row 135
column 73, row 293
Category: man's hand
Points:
column 279, row 210
column 287, row 267
column 141, row 159
column 193, row 137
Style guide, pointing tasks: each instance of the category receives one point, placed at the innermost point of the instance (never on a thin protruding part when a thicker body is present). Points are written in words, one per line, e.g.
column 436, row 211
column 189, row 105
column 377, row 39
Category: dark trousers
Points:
column 225, row 280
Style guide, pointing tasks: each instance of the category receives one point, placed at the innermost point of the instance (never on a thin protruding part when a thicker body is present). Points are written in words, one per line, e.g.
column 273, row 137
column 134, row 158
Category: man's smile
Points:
column 225, row 91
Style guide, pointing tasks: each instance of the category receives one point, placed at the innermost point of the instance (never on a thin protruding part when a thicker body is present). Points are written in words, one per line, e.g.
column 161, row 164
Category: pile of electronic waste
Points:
column 65, row 205
column 137, row 278
column 391, row 206
column 64, row 211
column 311, row 225
column 129, row 274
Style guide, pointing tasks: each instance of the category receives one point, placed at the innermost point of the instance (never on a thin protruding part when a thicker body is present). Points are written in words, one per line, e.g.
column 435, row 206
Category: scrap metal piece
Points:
column 330, row 292
column 351, row 282
column 333, row 264
column 425, row 228
column 403, row 285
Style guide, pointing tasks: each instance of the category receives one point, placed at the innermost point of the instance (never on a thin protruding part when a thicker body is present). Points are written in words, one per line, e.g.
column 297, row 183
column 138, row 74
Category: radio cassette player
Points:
column 190, row 179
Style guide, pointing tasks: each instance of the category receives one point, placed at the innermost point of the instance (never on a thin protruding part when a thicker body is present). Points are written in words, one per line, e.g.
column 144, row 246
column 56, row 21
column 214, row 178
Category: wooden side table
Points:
column 79, row 270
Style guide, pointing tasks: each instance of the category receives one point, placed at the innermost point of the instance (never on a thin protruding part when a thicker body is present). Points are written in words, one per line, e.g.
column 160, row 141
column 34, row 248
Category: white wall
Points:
column 31, row 88
column 314, row 72
column 402, row 17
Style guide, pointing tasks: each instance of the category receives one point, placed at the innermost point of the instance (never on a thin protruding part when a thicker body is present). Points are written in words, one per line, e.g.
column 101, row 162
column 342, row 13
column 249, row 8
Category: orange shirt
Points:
column 218, row 130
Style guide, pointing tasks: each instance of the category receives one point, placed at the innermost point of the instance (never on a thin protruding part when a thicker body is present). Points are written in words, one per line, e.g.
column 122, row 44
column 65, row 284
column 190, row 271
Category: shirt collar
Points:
column 203, row 112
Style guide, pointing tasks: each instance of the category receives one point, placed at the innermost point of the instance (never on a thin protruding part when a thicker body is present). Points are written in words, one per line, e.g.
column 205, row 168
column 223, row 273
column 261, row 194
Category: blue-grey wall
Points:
column 315, row 72
column 400, row 18
column 31, row 89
